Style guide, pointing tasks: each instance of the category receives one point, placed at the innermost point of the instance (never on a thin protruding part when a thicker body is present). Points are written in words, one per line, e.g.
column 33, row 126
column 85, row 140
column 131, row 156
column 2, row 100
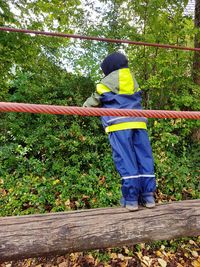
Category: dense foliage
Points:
column 54, row 163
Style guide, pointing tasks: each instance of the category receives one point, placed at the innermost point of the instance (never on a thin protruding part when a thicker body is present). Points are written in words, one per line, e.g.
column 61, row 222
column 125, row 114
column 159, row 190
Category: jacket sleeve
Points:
column 93, row 101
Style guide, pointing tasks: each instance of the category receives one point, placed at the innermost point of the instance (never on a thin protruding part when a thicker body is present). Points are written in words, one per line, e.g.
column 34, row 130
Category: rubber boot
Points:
column 147, row 200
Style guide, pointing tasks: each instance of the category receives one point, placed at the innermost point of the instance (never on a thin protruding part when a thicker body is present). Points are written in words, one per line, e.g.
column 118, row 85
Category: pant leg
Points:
column 145, row 161
column 125, row 162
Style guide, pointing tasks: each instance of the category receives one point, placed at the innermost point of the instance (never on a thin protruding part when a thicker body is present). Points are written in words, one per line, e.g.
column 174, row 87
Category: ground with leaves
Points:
column 180, row 253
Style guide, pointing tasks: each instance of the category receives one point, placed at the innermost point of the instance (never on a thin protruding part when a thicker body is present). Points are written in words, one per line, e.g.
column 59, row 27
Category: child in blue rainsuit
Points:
column 131, row 149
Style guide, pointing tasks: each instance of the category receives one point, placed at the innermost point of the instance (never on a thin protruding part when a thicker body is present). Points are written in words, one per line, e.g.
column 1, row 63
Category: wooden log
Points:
column 60, row 233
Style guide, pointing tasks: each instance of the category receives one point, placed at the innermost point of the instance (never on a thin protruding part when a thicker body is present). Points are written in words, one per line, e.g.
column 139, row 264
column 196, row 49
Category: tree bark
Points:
column 60, row 233
column 196, row 63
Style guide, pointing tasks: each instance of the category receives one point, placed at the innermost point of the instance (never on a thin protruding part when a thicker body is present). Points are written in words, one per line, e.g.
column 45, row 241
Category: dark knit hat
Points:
column 114, row 61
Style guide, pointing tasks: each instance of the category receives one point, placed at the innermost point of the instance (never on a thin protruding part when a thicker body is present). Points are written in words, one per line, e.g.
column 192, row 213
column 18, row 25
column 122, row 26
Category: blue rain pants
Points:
column 132, row 155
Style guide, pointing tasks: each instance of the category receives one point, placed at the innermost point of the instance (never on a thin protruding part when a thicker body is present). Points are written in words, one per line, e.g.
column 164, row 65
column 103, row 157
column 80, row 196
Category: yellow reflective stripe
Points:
column 126, row 83
column 101, row 89
column 126, row 126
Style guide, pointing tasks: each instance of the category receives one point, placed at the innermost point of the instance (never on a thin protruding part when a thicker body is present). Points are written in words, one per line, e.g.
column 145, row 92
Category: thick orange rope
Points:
column 66, row 110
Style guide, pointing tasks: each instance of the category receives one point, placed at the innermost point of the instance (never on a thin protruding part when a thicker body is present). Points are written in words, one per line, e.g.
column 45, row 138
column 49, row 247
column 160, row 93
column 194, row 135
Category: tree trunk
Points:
column 60, row 233
column 196, row 64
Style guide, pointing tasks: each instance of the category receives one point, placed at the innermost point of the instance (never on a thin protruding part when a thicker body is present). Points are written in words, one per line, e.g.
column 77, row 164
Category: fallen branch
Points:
column 60, row 233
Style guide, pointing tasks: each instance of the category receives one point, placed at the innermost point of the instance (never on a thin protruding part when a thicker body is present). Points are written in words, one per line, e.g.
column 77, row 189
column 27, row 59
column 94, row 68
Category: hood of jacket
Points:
column 121, row 81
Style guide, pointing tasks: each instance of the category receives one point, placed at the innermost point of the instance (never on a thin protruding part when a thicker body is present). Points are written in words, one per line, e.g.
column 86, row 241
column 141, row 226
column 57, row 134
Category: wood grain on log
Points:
column 60, row 233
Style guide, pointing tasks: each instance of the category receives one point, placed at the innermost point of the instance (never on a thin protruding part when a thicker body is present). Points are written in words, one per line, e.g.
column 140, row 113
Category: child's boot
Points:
column 130, row 193
column 148, row 200
column 129, row 205
column 132, row 205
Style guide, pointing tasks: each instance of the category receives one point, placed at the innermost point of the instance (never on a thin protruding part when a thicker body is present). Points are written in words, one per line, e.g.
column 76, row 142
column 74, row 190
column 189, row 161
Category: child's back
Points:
column 127, row 135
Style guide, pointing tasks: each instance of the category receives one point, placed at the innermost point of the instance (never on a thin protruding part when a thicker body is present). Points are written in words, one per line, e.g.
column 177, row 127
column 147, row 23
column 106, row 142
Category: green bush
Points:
column 57, row 163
